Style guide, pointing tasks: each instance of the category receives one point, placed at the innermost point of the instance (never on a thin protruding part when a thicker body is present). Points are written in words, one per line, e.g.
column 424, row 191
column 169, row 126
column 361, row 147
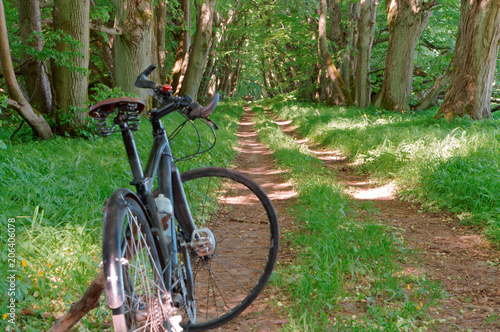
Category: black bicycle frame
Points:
column 160, row 161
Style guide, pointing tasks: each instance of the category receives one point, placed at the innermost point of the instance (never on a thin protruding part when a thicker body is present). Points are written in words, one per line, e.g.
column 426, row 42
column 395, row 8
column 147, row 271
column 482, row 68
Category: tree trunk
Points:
column 200, row 49
column 338, row 83
column 16, row 98
column 36, row 80
column 406, row 21
column 207, row 77
column 182, row 55
column 264, row 74
column 132, row 49
column 161, row 14
column 348, row 55
column 366, row 31
column 70, row 85
column 474, row 61
column 336, row 33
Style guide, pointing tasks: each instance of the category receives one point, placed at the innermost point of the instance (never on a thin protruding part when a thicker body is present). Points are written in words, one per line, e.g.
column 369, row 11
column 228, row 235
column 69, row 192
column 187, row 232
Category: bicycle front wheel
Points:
column 139, row 288
column 245, row 227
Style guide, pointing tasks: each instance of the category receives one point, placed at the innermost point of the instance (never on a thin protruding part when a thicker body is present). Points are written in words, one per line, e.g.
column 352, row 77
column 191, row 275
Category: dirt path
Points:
column 458, row 258
column 255, row 160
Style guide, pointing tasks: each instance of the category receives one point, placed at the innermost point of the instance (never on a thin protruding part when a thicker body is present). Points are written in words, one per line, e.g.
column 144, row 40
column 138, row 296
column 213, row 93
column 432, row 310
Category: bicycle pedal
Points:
column 203, row 242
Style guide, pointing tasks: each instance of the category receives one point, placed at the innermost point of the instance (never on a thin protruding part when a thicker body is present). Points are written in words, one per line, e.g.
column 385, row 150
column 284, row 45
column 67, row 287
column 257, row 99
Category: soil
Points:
column 457, row 257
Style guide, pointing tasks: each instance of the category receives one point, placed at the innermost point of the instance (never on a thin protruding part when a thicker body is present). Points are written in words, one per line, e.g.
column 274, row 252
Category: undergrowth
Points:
column 55, row 190
column 347, row 274
column 450, row 165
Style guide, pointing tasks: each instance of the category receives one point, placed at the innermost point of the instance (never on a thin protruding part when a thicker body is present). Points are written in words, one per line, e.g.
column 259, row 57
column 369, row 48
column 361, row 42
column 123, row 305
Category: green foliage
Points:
column 100, row 92
column 341, row 262
column 56, row 190
column 49, row 52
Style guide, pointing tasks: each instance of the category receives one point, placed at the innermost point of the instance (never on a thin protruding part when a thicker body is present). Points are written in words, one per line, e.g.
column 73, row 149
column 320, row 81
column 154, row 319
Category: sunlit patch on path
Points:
column 251, row 150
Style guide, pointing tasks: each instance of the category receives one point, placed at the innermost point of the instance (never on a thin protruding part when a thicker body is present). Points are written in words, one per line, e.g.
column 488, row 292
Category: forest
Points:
column 405, row 92
column 397, row 55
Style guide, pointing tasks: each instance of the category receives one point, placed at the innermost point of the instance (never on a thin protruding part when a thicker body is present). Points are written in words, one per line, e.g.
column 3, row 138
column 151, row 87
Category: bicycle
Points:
column 196, row 251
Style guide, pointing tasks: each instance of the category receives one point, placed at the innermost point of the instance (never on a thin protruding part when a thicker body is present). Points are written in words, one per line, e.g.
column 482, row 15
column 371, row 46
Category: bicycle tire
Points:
column 245, row 225
column 144, row 304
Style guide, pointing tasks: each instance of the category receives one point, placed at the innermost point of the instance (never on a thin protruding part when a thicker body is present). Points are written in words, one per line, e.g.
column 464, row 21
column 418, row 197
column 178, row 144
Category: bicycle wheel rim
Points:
column 245, row 226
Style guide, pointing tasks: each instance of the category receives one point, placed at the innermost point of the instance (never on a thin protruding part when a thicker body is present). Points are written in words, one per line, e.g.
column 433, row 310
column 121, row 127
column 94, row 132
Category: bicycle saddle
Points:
column 109, row 105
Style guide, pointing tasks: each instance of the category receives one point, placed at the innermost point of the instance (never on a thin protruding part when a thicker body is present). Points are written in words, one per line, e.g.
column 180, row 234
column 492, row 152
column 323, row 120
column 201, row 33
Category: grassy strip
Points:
column 347, row 274
column 56, row 189
column 444, row 165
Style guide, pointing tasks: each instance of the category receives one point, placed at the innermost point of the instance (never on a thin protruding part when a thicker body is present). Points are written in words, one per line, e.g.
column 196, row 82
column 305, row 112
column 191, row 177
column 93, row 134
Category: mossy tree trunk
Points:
column 474, row 61
column 133, row 48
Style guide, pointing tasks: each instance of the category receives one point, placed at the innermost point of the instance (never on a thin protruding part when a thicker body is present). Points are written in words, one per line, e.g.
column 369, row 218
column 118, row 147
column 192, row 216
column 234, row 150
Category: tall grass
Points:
column 56, row 191
column 348, row 272
column 444, row 165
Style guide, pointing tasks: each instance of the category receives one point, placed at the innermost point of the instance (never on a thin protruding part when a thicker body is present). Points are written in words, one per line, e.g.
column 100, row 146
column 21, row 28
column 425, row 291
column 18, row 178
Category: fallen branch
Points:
column 87, row 302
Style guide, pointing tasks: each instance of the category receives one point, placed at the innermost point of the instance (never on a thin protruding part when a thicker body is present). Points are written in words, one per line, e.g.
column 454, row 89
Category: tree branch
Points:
column 87, row 302
column 109, row 31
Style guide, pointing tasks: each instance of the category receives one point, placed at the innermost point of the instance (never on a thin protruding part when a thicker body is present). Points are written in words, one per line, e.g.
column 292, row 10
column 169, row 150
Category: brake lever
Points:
column 212, row 124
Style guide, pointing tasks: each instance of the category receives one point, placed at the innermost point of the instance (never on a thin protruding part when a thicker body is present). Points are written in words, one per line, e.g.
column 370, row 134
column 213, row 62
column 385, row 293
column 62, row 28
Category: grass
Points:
column 443, row 165
column 347, row 274
column 55, row 190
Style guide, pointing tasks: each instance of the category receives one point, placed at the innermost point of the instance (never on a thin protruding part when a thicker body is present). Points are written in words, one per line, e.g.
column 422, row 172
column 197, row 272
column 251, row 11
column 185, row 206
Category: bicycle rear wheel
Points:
column 143, row 299
column 245, row 226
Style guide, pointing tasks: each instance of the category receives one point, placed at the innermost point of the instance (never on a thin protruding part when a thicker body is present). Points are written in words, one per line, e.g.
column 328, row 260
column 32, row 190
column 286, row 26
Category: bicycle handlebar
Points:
column 142, row 80
column 193, row 109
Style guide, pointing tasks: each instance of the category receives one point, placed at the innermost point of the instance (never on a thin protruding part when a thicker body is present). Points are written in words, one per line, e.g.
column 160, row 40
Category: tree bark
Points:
column 339, row 86
column 349, row 55
column 406, row 21
column 200, row 49
column 366, row 31
column 182, row 54
column 336, row 33
column 132, row 49
column 36, row 80
column 16, row 98
column 161, row 14
column 474, row 61
column 70, row 85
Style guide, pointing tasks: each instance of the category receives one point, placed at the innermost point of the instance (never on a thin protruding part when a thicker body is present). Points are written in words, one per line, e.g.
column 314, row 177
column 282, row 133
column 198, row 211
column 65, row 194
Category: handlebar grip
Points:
column 142, row 80
column 204, row 112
